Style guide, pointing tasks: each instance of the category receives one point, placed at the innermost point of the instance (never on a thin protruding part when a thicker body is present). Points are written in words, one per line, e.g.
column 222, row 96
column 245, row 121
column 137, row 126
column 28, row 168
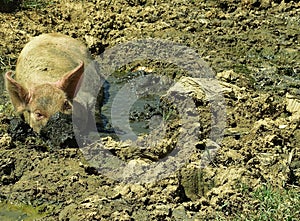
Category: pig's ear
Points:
column 18, row 94
column 70, row 83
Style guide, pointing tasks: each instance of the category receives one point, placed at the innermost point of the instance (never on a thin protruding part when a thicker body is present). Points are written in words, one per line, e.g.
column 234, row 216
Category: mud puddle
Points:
column 140, row 116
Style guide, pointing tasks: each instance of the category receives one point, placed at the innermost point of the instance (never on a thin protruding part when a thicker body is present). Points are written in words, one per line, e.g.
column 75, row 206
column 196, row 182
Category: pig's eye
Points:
column 38, row 115
column 67, row 106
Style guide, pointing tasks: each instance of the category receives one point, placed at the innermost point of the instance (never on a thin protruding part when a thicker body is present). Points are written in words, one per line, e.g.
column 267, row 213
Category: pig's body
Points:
column 48, row 75
column 48, row 57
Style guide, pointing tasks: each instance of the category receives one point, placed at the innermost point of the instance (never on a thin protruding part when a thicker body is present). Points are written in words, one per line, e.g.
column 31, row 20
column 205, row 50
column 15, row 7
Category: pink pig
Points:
column 48, row 75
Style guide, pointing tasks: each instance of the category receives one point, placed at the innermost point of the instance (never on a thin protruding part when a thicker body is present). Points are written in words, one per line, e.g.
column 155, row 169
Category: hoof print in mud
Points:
column 59, row 131
column 19, row 130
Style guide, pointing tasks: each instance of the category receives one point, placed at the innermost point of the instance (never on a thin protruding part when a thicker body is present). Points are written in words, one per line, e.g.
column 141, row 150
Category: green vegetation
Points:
column 13, row 5
column 275, row 204
column 268, row 203
column 19, row 212
column 34, row 4
column 265, row 203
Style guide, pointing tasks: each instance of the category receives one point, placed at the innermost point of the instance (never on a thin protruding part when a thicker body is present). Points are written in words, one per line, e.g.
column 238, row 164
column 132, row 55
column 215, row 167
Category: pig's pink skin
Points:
column 48, row 74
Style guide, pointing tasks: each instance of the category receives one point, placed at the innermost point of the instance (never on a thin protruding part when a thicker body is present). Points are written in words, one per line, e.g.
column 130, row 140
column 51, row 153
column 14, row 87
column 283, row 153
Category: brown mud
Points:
column 253, row 47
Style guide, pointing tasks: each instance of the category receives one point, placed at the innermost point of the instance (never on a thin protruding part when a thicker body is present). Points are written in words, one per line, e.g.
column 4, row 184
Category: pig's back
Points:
column 48, row 57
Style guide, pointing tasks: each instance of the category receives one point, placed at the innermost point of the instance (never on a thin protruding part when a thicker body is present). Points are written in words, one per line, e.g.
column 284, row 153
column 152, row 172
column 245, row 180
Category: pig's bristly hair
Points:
column 71, row 81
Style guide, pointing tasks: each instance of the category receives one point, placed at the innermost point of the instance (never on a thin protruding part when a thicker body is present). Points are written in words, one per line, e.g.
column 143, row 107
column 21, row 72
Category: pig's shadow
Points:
column 103, row 124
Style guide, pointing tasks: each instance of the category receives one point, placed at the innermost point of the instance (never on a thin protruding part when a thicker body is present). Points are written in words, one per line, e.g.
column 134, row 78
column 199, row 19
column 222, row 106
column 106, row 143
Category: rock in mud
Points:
column 293, row 105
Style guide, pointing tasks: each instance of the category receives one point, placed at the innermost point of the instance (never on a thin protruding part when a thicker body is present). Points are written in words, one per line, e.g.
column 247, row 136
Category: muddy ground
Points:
column 252, row 46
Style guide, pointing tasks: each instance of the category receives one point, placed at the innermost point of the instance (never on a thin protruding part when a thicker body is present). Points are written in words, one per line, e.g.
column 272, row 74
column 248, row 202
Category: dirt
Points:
column 252, row 46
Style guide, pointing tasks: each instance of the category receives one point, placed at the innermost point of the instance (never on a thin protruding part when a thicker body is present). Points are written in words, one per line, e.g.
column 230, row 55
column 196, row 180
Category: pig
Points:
column 50, row 70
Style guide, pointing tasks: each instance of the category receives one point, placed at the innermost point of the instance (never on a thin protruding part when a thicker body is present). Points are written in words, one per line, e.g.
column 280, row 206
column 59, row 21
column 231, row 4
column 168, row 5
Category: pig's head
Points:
column 39, row 103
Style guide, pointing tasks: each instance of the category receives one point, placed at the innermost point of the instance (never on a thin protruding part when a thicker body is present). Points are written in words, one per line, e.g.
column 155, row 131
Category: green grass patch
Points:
column 271, row 204
column 20, row 212
column 35, row 4
column 275, row 204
